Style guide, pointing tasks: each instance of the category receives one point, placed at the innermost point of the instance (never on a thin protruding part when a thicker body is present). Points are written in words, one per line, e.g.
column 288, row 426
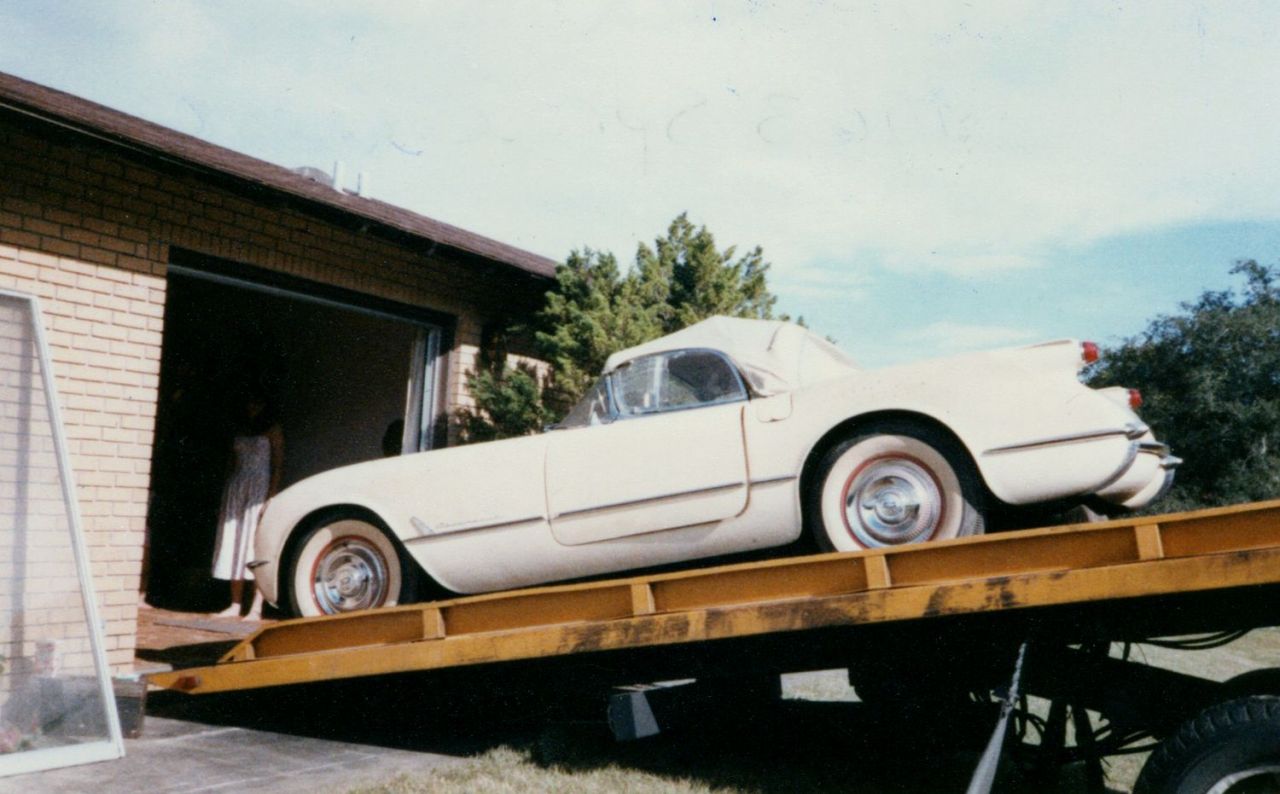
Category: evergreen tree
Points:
column 594, row 310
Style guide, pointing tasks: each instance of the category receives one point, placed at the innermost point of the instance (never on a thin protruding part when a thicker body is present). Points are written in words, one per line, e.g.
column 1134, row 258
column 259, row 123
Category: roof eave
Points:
column 154, row 141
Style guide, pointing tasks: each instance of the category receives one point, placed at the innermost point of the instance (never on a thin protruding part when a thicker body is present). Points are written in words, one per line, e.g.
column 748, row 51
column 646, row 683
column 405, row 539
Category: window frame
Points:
column 744, row 389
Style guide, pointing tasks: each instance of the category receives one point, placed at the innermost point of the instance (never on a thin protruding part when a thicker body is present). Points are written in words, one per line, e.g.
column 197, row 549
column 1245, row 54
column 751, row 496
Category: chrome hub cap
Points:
column 350, row 574
column 892, row 501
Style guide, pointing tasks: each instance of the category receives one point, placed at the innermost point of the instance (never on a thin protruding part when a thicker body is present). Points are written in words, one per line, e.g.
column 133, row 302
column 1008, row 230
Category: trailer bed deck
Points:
column 1173, row 554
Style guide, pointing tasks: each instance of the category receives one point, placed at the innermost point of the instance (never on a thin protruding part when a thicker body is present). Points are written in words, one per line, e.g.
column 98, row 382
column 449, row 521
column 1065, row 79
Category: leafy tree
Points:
column 1210, row 379
column 509, row 400
column 595, row 309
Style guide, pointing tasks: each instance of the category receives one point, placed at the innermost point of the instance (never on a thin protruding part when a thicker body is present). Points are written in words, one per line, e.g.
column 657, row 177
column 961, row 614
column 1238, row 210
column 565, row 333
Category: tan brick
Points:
column 55, row 275
column 102, row 389
column 144, row 366
column 117, row 435
column 82, row 236
column 111, row 331
column 147, row 309
column 129, row 320
column 80, row 432
column 112, row 274
column 62, row 247
column 72, row 326
column 151, row 340
column 131, row 291
column 107, row 299
column 99, row 255
column 95, row 314
column 12, row 266
column 40, row 226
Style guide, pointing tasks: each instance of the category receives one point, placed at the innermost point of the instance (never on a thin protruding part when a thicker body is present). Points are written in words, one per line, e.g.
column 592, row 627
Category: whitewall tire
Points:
column 343, row 565
column 894, row 484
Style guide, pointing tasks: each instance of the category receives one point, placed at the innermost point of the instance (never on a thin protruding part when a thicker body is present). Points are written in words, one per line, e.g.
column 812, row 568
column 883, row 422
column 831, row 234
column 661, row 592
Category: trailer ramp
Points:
column 1178, row 553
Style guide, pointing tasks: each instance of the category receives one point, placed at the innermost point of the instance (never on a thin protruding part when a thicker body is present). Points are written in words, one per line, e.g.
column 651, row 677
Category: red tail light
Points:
column 1089, row 352
column 1135, row 399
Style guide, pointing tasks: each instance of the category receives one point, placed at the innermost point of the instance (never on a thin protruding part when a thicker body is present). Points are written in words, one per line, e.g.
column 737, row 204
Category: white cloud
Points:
column 943, row 137
column 818, row 284
column 944, row 337
column 972, row 265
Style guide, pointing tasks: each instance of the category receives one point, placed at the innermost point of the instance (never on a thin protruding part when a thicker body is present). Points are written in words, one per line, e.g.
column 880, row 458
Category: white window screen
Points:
column 55, row 703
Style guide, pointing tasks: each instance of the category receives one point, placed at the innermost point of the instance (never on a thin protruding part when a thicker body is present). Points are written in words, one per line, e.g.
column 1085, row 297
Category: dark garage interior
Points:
column 339, row 378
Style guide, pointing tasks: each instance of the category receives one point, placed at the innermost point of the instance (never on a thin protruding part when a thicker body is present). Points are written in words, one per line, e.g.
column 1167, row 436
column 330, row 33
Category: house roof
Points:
column 101, row 122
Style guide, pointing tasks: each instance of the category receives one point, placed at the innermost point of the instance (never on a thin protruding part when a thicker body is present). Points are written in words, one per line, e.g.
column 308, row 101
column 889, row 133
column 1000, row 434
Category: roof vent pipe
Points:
column 337, row 175
column 362, row 183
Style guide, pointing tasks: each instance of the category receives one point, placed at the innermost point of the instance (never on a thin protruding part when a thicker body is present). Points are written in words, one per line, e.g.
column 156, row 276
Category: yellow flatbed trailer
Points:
column 1179, row 553
column 1118, row 580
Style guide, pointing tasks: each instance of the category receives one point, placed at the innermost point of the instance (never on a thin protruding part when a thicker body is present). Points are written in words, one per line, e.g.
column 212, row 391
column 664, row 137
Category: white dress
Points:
column 242, row 502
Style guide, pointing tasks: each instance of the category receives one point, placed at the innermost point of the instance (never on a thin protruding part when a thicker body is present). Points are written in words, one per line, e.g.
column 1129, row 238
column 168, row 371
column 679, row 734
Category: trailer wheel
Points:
column 347, row 563
column 1231, row 747
column 893, row 484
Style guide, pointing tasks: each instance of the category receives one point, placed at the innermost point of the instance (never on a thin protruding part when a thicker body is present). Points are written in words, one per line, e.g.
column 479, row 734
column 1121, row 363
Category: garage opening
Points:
column 348, row 378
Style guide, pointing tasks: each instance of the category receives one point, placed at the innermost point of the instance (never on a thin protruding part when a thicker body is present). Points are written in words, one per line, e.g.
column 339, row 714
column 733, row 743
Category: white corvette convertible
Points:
column 728, row 436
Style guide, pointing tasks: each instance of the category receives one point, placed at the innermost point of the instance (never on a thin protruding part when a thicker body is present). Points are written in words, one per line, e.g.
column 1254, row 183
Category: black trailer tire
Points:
column 1231, row 747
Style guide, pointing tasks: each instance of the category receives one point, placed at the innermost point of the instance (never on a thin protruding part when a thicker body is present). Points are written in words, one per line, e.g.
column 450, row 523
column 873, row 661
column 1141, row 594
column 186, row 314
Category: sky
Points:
column 924, row 177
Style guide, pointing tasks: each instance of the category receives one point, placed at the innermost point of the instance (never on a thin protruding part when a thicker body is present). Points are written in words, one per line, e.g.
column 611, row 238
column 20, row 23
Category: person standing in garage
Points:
column 258, row 455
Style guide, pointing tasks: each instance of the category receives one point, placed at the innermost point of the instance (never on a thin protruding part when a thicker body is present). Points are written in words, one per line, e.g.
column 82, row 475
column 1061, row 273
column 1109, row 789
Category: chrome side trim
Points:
column 773, row 480
column 1074, row 438
column 427, row 532
column 677, row 495
column 1154, row 448
column 1136, row 429
column 650, row 499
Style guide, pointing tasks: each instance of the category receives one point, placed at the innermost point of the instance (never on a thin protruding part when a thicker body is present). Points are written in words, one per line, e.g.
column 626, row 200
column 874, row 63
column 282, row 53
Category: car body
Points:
column 728, row 436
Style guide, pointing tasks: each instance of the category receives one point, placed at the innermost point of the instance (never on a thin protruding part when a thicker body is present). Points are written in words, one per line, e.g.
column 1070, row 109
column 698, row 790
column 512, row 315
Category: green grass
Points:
column 506, row 770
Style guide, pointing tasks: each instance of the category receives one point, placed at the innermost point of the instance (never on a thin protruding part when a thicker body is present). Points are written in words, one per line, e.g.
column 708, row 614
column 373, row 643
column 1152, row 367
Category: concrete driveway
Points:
column 316, row 741
column 181, row 756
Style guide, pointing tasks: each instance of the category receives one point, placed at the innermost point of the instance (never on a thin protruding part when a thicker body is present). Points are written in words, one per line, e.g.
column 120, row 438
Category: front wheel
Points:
column 894, row 484
column 345, row 564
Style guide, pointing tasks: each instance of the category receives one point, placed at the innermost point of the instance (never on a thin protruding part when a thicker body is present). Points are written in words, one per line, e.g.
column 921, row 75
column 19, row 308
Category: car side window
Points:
column 674, row 381
column 637, row 385
column 699, row 377
column 592, row 409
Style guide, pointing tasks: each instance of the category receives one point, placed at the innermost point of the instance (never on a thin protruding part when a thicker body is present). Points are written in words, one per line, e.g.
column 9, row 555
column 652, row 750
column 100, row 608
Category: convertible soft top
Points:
column 775, row 356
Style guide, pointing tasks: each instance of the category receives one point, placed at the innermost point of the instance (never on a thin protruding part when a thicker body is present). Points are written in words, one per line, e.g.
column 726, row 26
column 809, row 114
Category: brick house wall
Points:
column 88, row 226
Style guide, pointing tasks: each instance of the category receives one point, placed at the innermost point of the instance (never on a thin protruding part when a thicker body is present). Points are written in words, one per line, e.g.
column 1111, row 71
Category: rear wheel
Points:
column 1231, row 747
column 347, row 563
column 894, row 484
